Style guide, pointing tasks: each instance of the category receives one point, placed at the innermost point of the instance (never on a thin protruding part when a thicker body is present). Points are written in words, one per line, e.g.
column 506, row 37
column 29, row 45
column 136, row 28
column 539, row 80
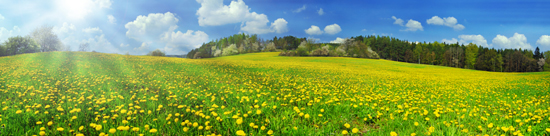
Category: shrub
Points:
column 156, row 52
column 230, row 50
column 270, row 47
column 321, row 51
column 217, row 53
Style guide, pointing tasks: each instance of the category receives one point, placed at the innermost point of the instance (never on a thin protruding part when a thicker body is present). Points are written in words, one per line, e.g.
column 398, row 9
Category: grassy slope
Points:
column 371, row 95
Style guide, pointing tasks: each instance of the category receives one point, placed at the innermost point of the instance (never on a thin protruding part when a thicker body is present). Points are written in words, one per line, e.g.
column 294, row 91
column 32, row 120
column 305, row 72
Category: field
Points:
column 75, row 93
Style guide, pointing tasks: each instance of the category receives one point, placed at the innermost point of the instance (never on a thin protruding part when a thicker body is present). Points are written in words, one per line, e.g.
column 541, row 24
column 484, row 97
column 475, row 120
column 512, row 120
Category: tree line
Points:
column 41, row 39
column 470, row 56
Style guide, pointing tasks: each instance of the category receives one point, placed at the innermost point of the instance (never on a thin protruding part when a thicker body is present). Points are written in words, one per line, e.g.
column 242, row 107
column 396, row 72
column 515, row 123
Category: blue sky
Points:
column 176, row 26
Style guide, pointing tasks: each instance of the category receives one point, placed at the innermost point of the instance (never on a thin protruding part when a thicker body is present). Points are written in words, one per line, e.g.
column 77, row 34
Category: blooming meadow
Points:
column 82, row 93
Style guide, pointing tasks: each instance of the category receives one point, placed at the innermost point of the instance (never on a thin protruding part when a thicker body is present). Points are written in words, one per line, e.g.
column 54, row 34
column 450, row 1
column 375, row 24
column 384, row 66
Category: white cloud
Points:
column 413, row 25
column 5, row 33
column 64, row 29
column 124, row 45
column 544, row 40
column 187, row 41
column 313, row 38
column 516, row 41
column 104, row 3
column 159, row 29
column 214, row 13
column 279, row 26
column 447, row 21
column 332, row 29
column 338, row 40
column 99, row 43
column 92, row 30
column 112, row 19
column 143, row 47
column 1, row 17
column 320, row 12
column 466, row 39
column 300, row 9
column 476, row 39
column 453, row 40
column 398, row 21
column 151, row 27
column 314, row 30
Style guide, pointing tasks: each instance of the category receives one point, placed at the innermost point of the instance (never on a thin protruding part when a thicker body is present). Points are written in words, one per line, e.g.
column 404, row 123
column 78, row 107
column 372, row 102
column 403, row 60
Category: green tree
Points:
column 537, row 54
column 471, row 55
column 20, row 45
column 418, row 52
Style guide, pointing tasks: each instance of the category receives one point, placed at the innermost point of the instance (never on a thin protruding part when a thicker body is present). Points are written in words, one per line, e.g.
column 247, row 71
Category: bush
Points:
column 301, row 52
column 217, row 53
column 19, row 45
column 156, row 52
column 321, row 51
column 287, row 53
column 230, row 50
column 270, row 47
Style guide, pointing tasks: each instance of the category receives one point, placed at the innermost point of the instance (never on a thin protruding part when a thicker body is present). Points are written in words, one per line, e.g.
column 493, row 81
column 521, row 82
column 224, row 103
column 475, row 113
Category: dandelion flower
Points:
column 258, row 111
column 241, row 133
column 393, row 134
column 112, row 130
column 153, row 130
column 240, row 121
column 344, row 132
column 60, row 129
column 270, row 132
column 347, row 125
column 355, row 130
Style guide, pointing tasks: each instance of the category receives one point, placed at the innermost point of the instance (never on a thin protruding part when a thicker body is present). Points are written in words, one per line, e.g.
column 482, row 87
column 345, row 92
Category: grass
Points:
column 259, row 93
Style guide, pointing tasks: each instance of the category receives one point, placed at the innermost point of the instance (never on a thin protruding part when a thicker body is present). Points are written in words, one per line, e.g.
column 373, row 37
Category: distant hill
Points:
column 177, row 56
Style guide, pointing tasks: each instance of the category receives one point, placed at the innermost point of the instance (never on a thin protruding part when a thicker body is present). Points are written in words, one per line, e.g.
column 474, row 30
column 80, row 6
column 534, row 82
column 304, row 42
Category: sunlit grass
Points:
column 70, row 93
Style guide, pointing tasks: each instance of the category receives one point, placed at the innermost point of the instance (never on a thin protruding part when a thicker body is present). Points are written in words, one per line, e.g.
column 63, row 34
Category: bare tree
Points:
column 84, row 47
column 47, row 40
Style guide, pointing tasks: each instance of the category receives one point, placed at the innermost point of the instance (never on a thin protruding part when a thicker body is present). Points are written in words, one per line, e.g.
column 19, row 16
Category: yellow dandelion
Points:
column 258, row 112
column 240, row 121
column 344, row 132
column 355, row 130
column 241, row 133
column 153, row 130
column 112, row 130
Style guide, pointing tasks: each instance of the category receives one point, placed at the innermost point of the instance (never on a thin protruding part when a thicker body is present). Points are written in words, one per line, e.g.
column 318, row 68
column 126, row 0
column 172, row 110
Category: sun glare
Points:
column 74, row 9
